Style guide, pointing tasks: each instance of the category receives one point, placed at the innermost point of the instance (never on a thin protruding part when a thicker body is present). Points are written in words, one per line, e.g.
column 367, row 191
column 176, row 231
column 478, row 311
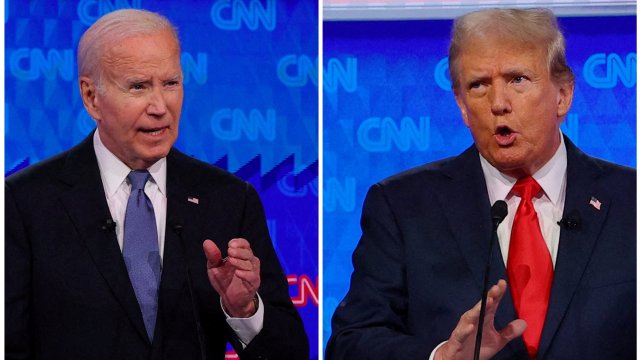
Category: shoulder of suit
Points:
column 616, row 179
column 611, row 172
column 192, row 169
column 609, row 167
column 40, row 172
column 427, row 174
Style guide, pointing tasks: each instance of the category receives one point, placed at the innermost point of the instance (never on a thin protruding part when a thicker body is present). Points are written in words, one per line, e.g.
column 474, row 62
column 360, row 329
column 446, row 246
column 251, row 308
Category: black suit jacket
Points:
column 68, row 295
column 420, row 262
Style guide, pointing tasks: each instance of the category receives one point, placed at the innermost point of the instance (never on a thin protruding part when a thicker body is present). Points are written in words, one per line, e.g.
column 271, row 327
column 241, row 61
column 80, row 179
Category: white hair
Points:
column 115, row 27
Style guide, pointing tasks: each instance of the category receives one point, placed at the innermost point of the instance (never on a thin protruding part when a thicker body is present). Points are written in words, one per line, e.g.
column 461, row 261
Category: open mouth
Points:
column 503, row 131
column 154, row 131
column 504, row 135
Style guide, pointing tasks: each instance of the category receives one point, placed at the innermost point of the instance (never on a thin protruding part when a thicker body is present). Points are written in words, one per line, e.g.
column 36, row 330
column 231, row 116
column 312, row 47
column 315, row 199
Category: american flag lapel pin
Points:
column 595, row 203
column 193, row 199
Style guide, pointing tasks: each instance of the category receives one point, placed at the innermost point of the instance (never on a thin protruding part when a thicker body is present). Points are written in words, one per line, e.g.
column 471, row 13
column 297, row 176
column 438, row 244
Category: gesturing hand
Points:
column 462, row 340
column 236, row 278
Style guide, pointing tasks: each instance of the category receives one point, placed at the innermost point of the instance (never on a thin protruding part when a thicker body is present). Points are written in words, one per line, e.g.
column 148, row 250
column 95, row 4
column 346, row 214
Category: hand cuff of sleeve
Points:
column 433, row 353
column 247, row 328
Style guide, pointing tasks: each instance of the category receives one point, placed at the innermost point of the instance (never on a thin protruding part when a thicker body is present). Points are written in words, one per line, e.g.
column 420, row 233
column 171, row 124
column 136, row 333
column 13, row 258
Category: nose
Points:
column 157, row 105
column 500, row 103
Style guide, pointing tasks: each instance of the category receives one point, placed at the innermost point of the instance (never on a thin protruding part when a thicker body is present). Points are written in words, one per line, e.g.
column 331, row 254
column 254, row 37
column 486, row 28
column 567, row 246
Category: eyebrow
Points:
column 517, row 70
column 174, row 77
column 508, row 73
column 476, row 77
column 137, row 80
column 146, row 80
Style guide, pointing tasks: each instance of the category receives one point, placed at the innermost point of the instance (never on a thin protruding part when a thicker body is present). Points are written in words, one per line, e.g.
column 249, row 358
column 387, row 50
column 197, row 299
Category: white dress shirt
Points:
column 549, row 204
column 117, row 189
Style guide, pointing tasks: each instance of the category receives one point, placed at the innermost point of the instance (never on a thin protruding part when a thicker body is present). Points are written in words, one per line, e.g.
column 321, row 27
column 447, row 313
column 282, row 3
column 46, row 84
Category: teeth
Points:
column 153, row 132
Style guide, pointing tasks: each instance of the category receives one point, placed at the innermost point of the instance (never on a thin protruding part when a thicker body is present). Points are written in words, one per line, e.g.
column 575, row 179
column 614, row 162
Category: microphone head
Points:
column 108, row 224
column 499, row 211
column 175, row 224
column 573, row 221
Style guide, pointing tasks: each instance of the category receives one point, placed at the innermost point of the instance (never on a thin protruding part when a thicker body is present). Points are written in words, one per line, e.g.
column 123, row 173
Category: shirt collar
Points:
column 550, row 177
column 114, row 172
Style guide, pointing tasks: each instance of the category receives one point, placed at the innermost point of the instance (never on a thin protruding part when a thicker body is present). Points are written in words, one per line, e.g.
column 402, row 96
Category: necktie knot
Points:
column 138, row 178
column 526, row 188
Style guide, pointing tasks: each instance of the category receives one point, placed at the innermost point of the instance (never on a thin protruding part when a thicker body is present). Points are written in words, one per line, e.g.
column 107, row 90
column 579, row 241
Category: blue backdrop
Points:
column 250, row 104
column 388, row 107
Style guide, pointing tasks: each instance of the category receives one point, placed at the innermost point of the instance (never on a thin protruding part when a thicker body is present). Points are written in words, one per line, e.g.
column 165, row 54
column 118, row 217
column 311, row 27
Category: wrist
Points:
column 246, row 311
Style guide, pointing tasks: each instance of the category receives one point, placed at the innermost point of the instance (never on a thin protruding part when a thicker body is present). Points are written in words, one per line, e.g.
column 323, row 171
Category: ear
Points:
column 88, row 92
column 461, row 106
column 565, row 97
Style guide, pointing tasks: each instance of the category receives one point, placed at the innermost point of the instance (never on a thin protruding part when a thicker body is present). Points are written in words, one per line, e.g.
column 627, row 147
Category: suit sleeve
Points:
column 17, row 282
column 282, row 335
column 371, row 322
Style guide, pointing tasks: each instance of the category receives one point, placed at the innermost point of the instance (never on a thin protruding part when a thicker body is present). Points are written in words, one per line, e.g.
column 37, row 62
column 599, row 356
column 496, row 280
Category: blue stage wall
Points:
column 388, row 107
column 250, row 104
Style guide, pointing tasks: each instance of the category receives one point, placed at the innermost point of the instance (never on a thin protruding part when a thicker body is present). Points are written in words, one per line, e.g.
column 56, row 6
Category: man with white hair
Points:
column 125, row 248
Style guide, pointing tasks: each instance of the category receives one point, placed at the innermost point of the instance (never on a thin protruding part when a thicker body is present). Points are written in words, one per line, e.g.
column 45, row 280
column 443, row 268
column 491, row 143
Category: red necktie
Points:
column 529, row 266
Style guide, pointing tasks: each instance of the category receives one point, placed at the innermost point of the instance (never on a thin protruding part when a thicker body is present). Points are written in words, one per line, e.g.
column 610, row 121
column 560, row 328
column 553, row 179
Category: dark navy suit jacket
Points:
column 420, row 262
column 68, row 295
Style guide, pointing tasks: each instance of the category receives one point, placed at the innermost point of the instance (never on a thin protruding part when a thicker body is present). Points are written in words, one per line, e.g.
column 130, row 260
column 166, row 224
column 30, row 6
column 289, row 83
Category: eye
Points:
column 172, row 83
column 136, row 86
column 475, row 85
column 519, row 79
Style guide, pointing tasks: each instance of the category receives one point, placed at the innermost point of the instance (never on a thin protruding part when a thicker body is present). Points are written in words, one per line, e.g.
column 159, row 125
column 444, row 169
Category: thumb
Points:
column 513, row 330
column 212, row 253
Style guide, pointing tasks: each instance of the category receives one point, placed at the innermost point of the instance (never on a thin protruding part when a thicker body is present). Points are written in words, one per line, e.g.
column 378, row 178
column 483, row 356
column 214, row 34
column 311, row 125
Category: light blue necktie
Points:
column 140, row 249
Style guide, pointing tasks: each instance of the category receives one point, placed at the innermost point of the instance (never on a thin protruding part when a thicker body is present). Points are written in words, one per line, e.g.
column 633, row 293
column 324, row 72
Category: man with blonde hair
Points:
column 564, row 265
column 125, row 248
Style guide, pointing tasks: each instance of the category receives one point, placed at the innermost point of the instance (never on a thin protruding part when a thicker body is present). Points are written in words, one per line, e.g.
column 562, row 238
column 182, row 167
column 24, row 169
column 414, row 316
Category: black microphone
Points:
column 498, row 213
column 572, row 221
column 176, row 226
column 108, row 225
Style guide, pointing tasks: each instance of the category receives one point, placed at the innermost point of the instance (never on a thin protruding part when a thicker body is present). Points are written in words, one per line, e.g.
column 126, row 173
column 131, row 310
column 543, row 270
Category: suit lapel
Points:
column 86, row 205
column 576, row 245
column 174, row 273
column 181, row 248
column 471, row 223
column 471, row 226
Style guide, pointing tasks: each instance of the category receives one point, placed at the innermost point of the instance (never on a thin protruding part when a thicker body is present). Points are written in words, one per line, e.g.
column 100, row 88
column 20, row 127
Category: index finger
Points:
column 239, row 243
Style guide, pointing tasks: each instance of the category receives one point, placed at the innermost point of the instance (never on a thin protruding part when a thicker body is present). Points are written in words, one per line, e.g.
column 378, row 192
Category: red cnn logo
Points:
column 306, row 289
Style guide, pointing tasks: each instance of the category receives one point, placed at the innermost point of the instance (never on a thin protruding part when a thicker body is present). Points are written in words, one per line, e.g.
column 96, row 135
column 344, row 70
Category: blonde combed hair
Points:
column 532, row 26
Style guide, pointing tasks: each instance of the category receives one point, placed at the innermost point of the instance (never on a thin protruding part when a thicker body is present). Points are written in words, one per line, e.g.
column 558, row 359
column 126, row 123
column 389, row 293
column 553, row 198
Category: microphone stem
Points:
column 483, row 300
column 196, row 313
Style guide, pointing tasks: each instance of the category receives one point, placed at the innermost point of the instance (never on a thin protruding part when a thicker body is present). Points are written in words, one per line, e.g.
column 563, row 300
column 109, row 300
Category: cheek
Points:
column 121, row 123
column 479, row 119
column 175, row 103
column 544, row 117
column 128, row 114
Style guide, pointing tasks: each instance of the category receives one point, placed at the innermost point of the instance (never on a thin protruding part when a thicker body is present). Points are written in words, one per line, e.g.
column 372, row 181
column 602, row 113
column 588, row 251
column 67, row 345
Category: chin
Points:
column 508, row 163
column 151, row 158
column 513, row 169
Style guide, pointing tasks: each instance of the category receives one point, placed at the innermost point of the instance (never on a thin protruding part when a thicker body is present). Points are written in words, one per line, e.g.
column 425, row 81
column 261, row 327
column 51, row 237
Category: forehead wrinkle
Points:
column 516, row 58
column 133, row 67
